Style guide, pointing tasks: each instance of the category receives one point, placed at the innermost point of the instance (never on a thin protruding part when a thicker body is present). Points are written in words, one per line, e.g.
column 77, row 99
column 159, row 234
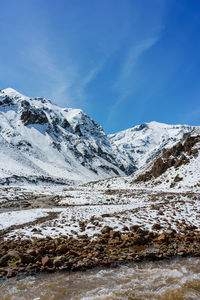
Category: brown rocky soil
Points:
column 108, row 249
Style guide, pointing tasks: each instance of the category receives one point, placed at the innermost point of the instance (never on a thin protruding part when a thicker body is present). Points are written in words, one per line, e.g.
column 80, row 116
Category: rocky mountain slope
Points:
column 175, row 169
column 141, row 144
column 41, row 141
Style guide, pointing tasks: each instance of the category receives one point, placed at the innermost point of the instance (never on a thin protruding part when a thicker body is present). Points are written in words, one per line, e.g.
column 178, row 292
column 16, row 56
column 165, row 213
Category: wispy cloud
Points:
column 124, row 84
column 134, row 54
column 66, row 84
column 89, row 76
column 55, row 78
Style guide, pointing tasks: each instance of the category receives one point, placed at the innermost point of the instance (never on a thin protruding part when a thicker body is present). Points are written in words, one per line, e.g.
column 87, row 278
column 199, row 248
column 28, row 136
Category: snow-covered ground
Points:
column 19, row 217
column 86, row 211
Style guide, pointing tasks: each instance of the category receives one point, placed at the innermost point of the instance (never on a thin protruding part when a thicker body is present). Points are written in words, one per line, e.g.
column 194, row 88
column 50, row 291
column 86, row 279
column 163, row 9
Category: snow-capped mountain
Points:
column 137, row 146
column 176, row 166
column 41, row 140
column 176, row 169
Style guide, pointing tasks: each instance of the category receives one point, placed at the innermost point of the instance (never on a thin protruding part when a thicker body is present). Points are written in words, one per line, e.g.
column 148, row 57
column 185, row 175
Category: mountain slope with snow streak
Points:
column 39, row 140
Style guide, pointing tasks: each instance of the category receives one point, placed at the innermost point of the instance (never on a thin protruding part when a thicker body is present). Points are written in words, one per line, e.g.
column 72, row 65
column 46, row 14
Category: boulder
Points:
column 58, row 262
column 26, row 258
column 47, row 262
column 3, row 260
column 63, row 248
column 106, row 229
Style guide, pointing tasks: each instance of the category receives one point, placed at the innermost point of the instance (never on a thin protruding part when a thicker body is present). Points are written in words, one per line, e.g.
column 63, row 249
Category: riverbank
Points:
column 109, row 249
column 174, row 279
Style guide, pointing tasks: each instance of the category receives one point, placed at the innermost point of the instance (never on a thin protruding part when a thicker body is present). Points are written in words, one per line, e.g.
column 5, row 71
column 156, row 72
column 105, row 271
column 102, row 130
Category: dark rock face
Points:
column 46, row 261
column 65, row 124
column 31, row 115
column 142, row 126
column 143, row 177
column 3, row 260
column 6, row 101
column 175, row 156
column 160, row 166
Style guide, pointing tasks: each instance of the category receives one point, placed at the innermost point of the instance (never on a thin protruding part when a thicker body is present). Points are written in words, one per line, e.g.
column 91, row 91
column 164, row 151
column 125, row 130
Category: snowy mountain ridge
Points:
column 142, row 143
column 39, row 141
column 175, row 169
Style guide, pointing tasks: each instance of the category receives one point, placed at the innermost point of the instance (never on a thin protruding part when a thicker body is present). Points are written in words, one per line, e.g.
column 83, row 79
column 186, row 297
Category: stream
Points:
column 166, row 280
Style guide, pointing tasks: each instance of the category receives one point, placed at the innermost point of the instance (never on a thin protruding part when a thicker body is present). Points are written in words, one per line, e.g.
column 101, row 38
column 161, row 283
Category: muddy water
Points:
column 166, row 280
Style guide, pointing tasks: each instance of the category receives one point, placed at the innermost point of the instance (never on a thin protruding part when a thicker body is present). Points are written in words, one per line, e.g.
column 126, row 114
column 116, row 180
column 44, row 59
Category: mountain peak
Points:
column 13, row 93
column 157, row 124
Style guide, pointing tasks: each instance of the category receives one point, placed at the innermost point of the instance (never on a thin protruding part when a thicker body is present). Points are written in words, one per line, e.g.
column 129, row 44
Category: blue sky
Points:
column 124, row 62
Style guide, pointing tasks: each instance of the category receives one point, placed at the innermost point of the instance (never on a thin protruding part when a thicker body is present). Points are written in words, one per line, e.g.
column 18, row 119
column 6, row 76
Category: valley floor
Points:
column 51, row 228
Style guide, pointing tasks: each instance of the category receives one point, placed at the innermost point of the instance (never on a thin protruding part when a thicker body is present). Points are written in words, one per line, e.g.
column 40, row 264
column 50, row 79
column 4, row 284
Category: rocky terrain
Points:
column 69, row 229
column 180, row 154
column 110, row 249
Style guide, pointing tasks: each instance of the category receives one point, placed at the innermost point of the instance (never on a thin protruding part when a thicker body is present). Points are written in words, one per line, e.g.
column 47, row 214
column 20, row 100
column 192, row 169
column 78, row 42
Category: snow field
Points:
column 87, row 212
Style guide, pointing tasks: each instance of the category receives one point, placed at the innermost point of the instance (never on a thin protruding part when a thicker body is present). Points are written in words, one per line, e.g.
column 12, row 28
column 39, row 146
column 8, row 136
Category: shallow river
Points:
column 175, row 279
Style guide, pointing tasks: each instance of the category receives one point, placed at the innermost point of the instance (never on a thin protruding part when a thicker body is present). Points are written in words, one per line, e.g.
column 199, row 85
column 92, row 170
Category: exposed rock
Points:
column 40, row 251
column 58, row 262
column 31, row 252
column 156, row 226
column 11, row 273
column 14, row 253
column 175, row 156
column 25, row 258
column 32, row 115
column 3, row 260
column 162, row 238
column 106, row 229
column 47, row 262
column 63, row 248
column 134, row 227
